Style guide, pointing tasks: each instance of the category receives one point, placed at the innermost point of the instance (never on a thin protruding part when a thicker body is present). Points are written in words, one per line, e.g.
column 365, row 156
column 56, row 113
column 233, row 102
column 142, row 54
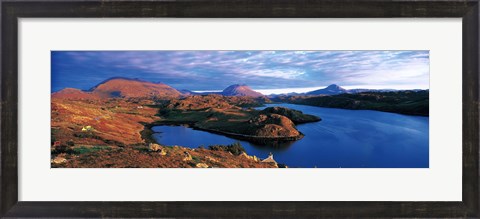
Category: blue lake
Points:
column 344, row 138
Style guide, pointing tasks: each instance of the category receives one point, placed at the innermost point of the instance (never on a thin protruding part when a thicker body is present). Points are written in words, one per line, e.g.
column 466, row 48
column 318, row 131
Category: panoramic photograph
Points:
column 240, row 109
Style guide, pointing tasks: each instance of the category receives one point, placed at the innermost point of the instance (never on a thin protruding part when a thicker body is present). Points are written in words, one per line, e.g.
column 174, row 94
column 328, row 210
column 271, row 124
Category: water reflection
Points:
column 344, row 138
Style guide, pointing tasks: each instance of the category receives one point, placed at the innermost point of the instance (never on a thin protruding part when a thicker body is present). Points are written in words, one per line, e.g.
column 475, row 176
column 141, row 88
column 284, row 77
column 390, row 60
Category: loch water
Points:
column 343, row 139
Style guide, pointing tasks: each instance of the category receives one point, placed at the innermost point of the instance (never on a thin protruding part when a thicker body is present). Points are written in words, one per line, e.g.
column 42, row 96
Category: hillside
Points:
column 74, row 94
column 332, row 89
column 112, row 133
column 240, row 90
column 198, row 102
column 403, row 102
column 156, row 157
column 298, row 117
column 124, row 87
column 113, row 121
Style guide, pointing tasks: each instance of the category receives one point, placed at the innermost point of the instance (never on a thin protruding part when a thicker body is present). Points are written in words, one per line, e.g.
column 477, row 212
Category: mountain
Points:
column 125, row 87
column 240, row 90
column 332, row 89
column 73, row 94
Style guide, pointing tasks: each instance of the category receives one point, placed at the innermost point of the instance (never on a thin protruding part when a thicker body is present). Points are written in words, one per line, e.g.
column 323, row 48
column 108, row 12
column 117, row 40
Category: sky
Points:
column 264, row 71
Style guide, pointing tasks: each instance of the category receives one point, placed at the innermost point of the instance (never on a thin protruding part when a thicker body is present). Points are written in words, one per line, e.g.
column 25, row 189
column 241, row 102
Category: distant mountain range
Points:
column 232, row 90
column 135, row 88
column 330, row 90
column 333, row 89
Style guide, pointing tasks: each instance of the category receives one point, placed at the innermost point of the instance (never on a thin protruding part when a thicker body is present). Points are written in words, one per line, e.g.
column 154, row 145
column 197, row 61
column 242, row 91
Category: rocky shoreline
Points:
column 250, row 138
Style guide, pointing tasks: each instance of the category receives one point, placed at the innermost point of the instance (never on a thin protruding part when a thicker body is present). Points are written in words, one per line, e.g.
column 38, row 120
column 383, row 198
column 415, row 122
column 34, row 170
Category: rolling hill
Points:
column 124, row 87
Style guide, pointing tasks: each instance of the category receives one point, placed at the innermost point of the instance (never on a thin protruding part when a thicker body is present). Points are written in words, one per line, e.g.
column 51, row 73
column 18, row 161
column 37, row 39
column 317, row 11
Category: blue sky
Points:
column 262, row 70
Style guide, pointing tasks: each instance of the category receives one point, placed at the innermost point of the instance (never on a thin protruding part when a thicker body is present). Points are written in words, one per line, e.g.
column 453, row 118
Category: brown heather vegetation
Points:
column 272, row 125
column 108, row 126
column 116, row 140
column 121, row 87
column 215, row 101
column 114, row 121
column 174, row 157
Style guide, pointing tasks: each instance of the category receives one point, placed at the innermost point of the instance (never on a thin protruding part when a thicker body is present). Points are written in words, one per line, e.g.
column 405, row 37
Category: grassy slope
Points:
column 115, row 121
column 120, row 122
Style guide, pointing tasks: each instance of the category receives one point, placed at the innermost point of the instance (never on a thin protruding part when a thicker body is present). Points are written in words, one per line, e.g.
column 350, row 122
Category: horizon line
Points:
column 308, row 89
column 299, row 90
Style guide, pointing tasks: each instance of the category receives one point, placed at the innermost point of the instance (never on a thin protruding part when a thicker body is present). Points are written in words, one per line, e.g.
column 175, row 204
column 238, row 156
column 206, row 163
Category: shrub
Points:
column 235, row 148
column 86, row 135
column 113, row 142
column 60, row 149
column 70, row 143
column 83, row 150
column 196, row 159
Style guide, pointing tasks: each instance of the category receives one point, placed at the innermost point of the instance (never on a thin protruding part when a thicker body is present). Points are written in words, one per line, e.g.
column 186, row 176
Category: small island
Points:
column 224, row 115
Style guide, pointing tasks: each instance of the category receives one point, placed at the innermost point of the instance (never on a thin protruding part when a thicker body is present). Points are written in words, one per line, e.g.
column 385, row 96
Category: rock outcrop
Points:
column 153, row 147
column 273, row 125
column 295, row 115
column 201, row 165
column 187, row 156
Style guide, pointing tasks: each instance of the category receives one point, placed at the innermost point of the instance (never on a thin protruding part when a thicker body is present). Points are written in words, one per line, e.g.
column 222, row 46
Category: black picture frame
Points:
column 466, row 9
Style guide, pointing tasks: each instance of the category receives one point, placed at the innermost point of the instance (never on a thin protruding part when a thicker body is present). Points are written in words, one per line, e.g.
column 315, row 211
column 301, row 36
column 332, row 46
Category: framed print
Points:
column 240, row 109
column 236, row 126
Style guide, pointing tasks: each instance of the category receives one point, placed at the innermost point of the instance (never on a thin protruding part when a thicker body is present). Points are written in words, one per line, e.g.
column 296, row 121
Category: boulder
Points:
column 201, row 165
column 254, row 158
column 163, row 152
column 211, row 159
column 59, row 160
column 187, row 157
column 153, row 147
